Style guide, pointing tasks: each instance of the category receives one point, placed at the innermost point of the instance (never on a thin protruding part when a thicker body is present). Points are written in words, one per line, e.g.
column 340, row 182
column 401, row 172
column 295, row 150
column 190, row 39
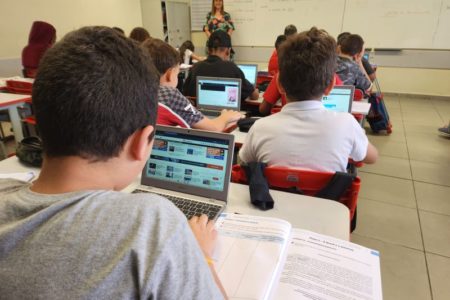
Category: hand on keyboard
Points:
column 205, row 233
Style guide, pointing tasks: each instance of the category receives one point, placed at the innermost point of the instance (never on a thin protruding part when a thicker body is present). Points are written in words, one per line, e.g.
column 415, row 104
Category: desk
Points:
column 315, row 214
column 11, row 102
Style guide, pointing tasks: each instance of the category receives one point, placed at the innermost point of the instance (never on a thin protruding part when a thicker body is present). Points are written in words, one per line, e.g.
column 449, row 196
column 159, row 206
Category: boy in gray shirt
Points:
column 71, row 234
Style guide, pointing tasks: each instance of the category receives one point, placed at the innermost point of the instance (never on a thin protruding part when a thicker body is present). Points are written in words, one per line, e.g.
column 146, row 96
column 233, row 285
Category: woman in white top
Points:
column 187, row 54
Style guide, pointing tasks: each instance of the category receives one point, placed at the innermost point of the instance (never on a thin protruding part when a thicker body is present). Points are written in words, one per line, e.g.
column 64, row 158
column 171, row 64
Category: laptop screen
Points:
column 340, row 99
column 218, row 93
column 187, row 160
column 250, row 72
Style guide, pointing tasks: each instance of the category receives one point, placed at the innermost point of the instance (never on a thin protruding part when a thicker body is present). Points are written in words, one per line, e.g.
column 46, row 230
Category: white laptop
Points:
column 216, row 93
column 250, row 72
column 192, row 168
column 340, row 99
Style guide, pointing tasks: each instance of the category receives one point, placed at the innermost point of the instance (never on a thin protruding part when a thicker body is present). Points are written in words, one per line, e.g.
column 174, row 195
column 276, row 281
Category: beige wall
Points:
column 415, row 81
column 17, row 16
column 152, row 18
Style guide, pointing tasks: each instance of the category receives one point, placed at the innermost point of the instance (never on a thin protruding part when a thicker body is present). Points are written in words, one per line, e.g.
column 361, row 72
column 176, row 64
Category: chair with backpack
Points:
column 339, row 186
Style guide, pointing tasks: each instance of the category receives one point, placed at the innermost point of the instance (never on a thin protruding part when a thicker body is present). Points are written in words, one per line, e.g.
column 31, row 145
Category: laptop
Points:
column 217, row 93
column 250, row 72
column 192, row 168
column 340, row 99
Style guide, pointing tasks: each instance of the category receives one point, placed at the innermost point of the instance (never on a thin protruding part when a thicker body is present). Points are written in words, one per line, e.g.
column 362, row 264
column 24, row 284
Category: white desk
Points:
column 318, row 215
column 11, row 102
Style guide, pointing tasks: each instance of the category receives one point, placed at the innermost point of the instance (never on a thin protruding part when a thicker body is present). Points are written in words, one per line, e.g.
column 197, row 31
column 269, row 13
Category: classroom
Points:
column 390, row 114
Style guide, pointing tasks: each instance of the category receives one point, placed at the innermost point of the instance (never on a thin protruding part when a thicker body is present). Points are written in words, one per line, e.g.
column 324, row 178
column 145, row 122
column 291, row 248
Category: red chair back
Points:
column 309, row 182
column 19, row 87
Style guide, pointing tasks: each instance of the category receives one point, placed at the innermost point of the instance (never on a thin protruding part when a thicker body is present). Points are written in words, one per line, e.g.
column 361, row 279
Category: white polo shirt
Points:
column 305, row 135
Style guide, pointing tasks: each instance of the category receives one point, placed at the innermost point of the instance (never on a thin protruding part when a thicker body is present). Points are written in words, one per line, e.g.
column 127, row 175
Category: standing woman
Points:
column 218, row 19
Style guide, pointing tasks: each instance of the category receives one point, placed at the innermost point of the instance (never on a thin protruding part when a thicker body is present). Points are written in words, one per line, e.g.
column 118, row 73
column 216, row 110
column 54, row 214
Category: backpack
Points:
column 378, row 116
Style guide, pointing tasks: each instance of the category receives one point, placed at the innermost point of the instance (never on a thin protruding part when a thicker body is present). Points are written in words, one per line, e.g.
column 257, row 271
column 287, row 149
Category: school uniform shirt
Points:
column 187, row 57
column 214, row 66
column 305, row 135
column 174, row 109
column 351, row 74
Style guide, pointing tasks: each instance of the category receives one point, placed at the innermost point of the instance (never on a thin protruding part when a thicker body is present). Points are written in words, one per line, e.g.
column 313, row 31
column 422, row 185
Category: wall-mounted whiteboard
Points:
column 423, row 24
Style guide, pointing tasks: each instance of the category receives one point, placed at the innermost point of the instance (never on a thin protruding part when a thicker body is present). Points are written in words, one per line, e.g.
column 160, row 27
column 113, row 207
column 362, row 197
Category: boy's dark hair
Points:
column 163, row 55
column 119, row 30
column 290, row 30
column 281, row 38
column 352, row 44
column 94, row 89
column 139, row 34
column 342, row 36
column 186, row 45
column 307, row 64
column 219, row 40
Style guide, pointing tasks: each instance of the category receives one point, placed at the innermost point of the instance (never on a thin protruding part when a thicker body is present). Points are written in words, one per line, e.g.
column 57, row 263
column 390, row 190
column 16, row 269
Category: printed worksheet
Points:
column 321, row 267
column 249, row 254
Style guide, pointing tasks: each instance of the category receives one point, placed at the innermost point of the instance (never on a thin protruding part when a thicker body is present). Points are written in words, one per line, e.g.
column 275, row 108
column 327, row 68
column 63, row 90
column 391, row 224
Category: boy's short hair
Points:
column 139, row 34
column 290, row 30
column 352, row 44
column 307, row 63
column 219, row 39
column 93, row 90
column 164, row 56
column 342, row 36
column 280, row 39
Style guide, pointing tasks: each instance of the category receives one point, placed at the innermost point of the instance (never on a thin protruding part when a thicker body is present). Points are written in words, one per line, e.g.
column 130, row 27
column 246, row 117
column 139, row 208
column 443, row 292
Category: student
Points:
column 304, row 134
column 273, row 61
column 218, row 64
column 173, row 108
column 290, row 30
column 139, row 34
column 42, row 37
column 366, row 64
column 187, row 54
column 349, row 65
column 71, row 233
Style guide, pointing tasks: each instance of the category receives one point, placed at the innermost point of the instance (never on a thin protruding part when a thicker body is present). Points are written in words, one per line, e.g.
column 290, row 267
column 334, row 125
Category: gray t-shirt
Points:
column 97, row 245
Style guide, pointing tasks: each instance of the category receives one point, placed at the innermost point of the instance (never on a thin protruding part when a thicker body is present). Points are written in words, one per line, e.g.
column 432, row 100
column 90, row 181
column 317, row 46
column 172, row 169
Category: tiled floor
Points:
column 404, row 203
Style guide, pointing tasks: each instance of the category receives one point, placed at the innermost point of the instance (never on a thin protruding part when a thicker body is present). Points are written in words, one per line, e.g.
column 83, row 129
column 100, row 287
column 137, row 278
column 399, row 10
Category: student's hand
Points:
column 205, row 233
column 231, row 115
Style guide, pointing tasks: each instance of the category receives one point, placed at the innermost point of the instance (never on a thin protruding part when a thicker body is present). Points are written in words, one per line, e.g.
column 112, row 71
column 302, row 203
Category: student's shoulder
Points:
column 133, row 205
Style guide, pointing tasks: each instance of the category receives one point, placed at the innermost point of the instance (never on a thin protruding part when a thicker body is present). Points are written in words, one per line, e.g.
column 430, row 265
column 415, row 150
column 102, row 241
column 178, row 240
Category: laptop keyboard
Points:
column 190, row 207
column 210, row 113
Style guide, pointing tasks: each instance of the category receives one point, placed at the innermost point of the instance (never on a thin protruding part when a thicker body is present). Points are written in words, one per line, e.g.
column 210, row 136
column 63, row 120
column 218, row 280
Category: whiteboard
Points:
column 199, row 9
column 403, row 24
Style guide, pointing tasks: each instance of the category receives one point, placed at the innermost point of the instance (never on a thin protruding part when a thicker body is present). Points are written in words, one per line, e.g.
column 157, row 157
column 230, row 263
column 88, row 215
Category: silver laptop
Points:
column 192, row 168
column 216, row 93
column 340, row 99
column 250, row 72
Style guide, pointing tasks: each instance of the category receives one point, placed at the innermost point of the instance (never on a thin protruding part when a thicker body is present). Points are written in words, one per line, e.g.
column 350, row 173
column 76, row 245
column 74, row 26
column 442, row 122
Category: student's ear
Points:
column 140, row 145
column 330, row 86
column 279, row 86
column 166, row 75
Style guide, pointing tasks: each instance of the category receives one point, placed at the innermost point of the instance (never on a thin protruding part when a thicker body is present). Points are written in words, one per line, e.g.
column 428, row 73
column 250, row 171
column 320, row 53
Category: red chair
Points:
column 305, row 182
column 19, row 87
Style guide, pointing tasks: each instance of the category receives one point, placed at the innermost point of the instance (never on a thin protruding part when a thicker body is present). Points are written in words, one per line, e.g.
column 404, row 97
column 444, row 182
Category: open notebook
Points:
column 264, row 258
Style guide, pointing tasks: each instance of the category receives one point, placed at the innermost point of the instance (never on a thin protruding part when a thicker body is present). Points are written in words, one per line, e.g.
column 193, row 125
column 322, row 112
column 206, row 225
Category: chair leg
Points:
column 353, row 221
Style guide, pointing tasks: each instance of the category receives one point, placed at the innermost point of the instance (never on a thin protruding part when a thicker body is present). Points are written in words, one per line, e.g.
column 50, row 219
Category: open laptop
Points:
column 340, row 99
column 250, row 72
column 192, row 168
column 217, row 93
